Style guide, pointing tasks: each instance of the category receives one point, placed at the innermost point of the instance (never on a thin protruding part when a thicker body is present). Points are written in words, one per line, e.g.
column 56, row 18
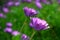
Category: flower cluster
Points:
column 5, row 6
column 36, row 23
column 5, row 9
column 8, row 29
column 38, row 2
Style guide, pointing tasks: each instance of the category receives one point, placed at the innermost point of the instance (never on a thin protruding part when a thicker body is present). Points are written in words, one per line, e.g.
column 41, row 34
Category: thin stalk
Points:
column 32, row 35
column 23, row 25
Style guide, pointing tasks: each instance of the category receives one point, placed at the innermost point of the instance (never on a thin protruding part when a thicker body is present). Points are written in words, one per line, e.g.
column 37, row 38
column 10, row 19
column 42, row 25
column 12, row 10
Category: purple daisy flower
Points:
column 38, row 24
column 30, row 11
column 9, row 24
column 24, row 37
column 15, row 33
column 25, row 9
column 9, row 30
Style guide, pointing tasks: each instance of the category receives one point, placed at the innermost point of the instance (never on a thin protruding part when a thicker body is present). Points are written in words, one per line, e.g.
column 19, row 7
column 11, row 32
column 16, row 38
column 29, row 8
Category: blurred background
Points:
column 11, row 11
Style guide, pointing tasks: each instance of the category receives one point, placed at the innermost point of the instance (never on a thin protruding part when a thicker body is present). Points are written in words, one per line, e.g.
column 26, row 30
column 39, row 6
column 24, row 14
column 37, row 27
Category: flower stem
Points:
column 23, row 25
column 32, row 35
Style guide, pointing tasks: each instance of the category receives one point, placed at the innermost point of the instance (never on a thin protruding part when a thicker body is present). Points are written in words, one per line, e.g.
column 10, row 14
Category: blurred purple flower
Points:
column 9, row 30
column 15, row 33
column 38, row 4
column 5, row 10
column 9, row 24
column 23, row 0
column 2, row 15
column 17, row 3
column 24, row 37
column 10, row 3
column 25, row 9
column 38, row 24
column 45, row 1
column 30, row 11
column 28, row 0
column 59, row 1
column 37, row 0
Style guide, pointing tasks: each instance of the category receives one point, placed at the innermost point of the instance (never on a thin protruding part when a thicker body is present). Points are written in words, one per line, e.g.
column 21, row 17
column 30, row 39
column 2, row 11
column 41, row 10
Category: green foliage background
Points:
column 50, row 13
